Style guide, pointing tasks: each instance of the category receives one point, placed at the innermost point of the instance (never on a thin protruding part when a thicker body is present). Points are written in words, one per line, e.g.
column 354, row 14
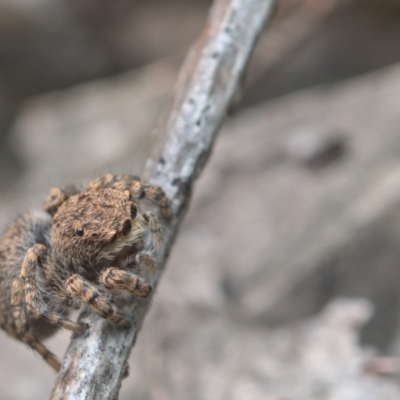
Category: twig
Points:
column 95, row 364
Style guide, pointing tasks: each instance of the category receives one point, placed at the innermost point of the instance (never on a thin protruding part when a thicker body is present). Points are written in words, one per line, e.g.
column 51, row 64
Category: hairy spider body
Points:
column 84, row 249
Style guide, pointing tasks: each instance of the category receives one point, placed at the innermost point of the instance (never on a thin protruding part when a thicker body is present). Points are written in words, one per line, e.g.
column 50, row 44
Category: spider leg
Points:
column 56, row 196
column 115, row 278
column 23, row 330
column 21, row 290
column 142, row 260
column 154, row 226
column 87, row 293
column 35, row 307
column 47, row 355
column 138, row 189
column 157, row 196
column 121, row 278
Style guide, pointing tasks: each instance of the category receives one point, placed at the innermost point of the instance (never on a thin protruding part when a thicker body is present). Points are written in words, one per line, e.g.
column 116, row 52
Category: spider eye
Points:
column 133, row 211
column 126, row 227
column 79, row 231
column 113, row 237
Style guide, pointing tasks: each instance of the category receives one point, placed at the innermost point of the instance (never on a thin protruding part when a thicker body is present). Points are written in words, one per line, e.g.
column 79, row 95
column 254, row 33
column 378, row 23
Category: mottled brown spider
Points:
column 85, row 248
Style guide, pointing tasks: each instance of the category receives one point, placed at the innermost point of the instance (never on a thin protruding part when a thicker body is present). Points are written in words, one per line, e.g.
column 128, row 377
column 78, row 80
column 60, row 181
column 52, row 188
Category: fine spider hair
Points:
column 83, row 249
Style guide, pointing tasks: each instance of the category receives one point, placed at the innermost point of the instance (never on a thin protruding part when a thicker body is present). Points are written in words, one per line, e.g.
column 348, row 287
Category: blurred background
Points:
column 284, row 281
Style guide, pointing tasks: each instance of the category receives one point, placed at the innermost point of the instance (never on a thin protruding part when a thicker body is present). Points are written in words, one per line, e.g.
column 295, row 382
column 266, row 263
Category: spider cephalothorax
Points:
column 93, row 226
column 85, row 248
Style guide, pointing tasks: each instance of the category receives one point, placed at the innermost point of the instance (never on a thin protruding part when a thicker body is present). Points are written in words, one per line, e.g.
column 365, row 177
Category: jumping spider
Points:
column 83, row 249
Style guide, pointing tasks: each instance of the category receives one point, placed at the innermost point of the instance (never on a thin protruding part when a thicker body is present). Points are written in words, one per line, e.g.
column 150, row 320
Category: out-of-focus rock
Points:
column 285, row 238
column 213, row 357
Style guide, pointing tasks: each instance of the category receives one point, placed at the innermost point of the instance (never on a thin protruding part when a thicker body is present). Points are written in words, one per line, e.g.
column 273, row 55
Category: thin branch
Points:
column 94, row 364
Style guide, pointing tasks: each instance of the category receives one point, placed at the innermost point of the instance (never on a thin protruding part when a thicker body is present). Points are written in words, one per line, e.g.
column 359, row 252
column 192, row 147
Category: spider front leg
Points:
column 56, row 196
column 154, row 228
column 29, row 306
column 138, row 190
column 36, row 261
column 87, row 293
column 117, row 278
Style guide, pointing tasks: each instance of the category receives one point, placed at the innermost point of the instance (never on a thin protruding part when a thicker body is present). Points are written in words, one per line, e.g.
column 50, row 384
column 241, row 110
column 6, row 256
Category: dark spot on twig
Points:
column 161, row 161
column 184, row 187
column 167, row 252
column 203, row 114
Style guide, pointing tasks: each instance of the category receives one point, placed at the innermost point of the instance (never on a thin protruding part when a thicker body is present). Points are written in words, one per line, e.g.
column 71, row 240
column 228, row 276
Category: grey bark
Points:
column 95, row 363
